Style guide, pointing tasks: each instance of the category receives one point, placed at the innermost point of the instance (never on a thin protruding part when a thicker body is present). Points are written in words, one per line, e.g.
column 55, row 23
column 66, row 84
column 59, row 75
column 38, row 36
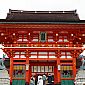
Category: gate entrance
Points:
column 43, row 68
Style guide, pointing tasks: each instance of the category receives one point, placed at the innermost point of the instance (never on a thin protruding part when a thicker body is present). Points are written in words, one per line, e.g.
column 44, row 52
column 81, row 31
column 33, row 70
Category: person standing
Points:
column 40, row 81
column 32, row 81
column 36, row 80
column 44, row 79
column 50, row 79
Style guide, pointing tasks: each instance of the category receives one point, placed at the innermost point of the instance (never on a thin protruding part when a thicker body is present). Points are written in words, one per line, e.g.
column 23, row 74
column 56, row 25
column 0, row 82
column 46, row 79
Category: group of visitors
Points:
column 41, row 80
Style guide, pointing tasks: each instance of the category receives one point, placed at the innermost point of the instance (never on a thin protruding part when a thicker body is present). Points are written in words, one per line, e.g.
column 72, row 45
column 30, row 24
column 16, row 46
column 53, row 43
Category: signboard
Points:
column 59, row 67
column 27, row 66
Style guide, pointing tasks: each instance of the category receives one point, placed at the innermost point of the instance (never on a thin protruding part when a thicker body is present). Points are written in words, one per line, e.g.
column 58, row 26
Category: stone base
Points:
column 4, row 77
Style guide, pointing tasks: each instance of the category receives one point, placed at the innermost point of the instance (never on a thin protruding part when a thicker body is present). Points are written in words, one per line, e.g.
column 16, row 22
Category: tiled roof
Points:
column 42, row 16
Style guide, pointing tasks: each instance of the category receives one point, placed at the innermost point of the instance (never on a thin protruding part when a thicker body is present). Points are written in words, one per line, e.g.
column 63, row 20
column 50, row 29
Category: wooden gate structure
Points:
column 41, row 40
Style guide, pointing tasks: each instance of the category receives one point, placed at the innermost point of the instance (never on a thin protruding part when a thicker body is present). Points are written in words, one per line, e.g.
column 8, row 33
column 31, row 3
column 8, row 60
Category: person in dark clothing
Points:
column 36, row 80
column 50, row 79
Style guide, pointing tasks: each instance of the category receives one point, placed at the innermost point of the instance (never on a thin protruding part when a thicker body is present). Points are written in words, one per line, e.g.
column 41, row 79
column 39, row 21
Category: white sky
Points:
column 42, row 5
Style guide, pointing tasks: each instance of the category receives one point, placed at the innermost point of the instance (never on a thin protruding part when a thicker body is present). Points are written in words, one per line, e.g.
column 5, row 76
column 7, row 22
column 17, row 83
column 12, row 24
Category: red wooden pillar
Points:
column 56, row 70
column 74, row 64
column 30, row 72
column 11, row 69
column 55, row 74
column 74, row 67
column 58, row 67
column 27, row 68
column 11, row 55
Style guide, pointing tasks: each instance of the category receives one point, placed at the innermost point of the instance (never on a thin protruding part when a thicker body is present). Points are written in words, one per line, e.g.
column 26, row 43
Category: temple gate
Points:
column 40, row 46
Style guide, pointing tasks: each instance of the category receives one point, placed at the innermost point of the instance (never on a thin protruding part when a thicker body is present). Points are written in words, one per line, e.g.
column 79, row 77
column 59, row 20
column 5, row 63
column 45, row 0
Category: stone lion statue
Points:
column 2, row 66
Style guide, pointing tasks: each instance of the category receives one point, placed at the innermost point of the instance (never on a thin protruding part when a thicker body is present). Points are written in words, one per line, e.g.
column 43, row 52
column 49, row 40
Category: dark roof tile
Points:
column 42, row 16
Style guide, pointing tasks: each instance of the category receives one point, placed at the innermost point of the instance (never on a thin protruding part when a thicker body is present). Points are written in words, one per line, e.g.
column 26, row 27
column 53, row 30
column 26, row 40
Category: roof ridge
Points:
column 60, row 12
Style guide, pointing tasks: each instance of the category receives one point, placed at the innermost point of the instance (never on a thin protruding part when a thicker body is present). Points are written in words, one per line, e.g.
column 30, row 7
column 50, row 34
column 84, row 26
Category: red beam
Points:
column 42, row 63
column 43, row 59
column 44, row 48
column 39, row 26
column 19, row 58
column 19, row 62
column 66, row 63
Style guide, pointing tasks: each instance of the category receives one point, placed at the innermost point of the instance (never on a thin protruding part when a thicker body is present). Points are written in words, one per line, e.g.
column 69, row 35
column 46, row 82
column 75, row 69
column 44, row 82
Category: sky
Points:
column 42, row 5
